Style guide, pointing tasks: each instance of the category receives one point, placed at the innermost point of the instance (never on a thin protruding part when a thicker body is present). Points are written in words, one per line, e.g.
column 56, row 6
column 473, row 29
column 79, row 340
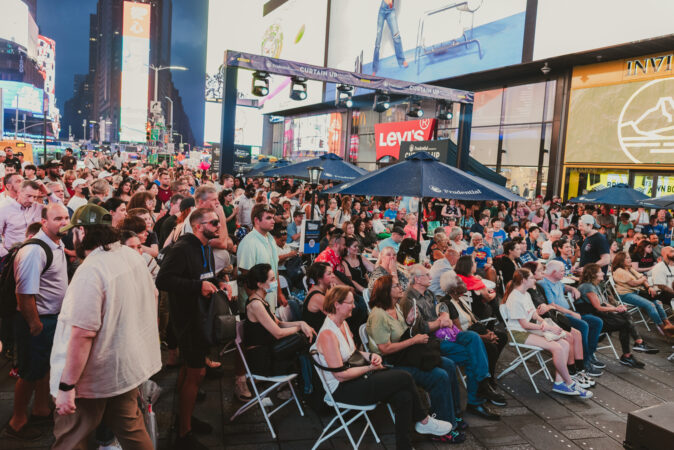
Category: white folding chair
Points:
column 276, row 383
column 572, row 306
column 364, row 338
column 610, row 285
column 524, row 352
column 366, row 298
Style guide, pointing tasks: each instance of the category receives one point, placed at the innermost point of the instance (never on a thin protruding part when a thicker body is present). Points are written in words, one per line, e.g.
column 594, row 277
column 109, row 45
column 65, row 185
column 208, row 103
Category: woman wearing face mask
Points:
column 263, row 330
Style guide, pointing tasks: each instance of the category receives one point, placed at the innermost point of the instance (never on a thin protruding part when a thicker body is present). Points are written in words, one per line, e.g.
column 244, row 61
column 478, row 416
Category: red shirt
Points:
column 164, row 195
column 329, row 256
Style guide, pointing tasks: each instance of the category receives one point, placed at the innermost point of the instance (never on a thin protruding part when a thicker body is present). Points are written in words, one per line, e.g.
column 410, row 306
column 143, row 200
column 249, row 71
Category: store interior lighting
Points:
column 260, row 86
column 298, row 89
column 415, row 109
column 382, row 102
column 344, row 94
column 445, row 111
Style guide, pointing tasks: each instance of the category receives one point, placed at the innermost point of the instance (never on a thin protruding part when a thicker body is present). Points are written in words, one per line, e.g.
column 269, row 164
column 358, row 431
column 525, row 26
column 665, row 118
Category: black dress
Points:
column 358, row 273
column 313, row 319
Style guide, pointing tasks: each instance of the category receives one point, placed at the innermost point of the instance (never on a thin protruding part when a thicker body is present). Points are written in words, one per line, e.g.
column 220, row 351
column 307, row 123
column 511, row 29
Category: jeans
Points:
column 654, row 309
column 590, row 328
column 389, row 15
column 442, row 386
column 468, row 351
column 306, row 371
column 391, row 386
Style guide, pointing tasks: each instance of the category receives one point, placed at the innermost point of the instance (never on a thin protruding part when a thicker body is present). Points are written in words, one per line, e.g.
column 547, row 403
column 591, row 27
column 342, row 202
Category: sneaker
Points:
column 562, row 388
column 630, row 361
column 582, row 393
column 433, row 426
column 492, row 395
column 241, row 390
column 115, row 445
column 580, row 380
column 588, row 378
column 644, row 347
column 453, row 437
column 188, row 442
column 461, row 425
column 592, row 371
column 596, row 363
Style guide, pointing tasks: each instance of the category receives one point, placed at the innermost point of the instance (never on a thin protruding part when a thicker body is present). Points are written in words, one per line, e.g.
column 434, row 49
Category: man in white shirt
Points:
column 107, row 340
column 546, row 251
column 639, row 218
column 663, row 275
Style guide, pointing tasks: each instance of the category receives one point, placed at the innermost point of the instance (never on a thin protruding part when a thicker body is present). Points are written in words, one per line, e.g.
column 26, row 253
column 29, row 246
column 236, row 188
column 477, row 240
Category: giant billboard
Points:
column 17, row 25
column 25, row 96
column 621, row 112
column 571, row 26
column 424, row 41
column 294, row 30
column 135, row 71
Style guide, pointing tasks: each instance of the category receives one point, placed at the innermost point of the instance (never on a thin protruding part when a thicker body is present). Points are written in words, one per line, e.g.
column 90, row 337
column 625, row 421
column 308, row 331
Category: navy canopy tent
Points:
column 618, row 195
column 334, row 169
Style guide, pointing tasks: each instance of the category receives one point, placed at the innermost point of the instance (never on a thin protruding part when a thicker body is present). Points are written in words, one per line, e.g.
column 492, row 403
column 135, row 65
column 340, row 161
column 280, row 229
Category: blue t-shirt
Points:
column 388, row 242
column 554, row 292
column 390, row 214
column 482, row 254
column 292, row 230
column 501, row 234
column 527, row 257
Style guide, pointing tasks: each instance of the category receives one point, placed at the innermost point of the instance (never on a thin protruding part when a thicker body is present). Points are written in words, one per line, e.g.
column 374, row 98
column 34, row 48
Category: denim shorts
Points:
column 33, row 352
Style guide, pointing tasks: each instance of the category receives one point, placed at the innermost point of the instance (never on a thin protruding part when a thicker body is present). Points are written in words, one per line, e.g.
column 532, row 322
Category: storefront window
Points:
column 487, row 108
column 524, row 104
column 665, row 186
column 484, row 144
column 644, row 183
column 521, row 144
column 582, row 181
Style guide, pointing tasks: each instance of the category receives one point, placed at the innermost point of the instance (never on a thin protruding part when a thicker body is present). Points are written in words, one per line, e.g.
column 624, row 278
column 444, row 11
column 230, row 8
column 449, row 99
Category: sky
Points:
column 67, row 22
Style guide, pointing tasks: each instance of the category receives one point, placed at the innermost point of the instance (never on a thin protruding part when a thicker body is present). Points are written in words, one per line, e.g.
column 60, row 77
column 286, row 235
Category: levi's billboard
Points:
column 388, row 136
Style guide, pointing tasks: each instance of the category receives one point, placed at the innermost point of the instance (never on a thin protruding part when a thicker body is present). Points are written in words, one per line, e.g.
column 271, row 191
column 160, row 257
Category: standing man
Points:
column 41, row 275
column 188, row 272
column 11, row 161
column 69, row 162
column 106, row 342
column 118, row 159
column 79, row 197
column 164, row 194
column 12, row 182
column 246, row 204
column 595, row 248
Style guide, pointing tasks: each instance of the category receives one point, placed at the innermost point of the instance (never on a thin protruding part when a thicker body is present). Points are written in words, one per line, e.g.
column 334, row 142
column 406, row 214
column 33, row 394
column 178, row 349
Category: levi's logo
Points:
column 388, row 136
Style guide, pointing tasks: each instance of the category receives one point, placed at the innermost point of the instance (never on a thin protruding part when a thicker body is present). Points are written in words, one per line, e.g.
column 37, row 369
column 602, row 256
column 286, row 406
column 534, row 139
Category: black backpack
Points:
column 8, row 282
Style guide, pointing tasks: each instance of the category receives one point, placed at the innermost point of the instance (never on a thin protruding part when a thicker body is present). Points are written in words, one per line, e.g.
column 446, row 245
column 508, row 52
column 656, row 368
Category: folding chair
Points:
column 259, row 396
column 364, row 338
column 366, row 297
column 524, row 352
column 572, row 306
column 611, row 288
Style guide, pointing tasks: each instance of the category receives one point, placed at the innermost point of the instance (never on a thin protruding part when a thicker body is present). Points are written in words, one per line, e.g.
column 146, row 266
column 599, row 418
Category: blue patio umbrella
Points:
column 259, row 171
column 334, row 169
column 422, row 175
column 666, row 202
column 261, row 164
column 618, row 195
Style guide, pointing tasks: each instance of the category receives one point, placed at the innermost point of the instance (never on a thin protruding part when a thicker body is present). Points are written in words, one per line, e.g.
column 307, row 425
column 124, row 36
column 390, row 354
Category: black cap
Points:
column 399, row 230
column 186, row 203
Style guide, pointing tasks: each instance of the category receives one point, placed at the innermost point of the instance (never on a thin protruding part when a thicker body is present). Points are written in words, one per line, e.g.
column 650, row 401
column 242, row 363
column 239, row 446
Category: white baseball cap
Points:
column 587, row 219
column 104, row 174
column 79, row 182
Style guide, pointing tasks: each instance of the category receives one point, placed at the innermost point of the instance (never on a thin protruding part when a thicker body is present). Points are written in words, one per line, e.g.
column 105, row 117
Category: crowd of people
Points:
column 109, row 258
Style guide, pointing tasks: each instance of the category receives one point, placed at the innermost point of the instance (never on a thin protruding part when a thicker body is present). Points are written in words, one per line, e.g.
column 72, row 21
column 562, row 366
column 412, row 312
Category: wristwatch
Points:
column 66, row 387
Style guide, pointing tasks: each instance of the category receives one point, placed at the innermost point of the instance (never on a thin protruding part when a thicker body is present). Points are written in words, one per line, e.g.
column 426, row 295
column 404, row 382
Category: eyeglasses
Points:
column 214, row 222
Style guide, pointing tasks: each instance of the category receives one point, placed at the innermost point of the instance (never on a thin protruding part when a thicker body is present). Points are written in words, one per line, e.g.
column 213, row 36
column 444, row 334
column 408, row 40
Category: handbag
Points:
column 355, row 360
column 290, row 346
column 217, row 319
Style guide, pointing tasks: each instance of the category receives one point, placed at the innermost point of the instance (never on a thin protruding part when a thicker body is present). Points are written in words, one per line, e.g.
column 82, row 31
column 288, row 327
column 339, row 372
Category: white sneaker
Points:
column 114, row 445
column 588, row 378
column 433, row 426
column 580, row 380
column 582, row 393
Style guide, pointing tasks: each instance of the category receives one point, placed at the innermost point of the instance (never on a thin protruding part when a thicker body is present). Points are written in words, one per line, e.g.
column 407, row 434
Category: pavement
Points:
column 530, row 420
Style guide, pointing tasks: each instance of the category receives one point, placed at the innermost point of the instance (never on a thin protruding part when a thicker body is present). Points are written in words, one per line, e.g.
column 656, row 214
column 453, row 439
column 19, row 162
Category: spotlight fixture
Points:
column 260, row 86
column 415, row 109
column 298, row 89
column 344, row 94
column 445, row 111
column 382, row 102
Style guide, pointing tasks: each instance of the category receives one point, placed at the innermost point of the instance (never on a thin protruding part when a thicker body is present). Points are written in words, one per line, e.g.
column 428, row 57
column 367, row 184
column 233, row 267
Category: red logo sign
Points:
column 389, row 135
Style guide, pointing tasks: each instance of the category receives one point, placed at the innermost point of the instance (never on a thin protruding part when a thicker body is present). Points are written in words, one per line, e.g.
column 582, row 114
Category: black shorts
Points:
column 33, row 352
column 193, row 349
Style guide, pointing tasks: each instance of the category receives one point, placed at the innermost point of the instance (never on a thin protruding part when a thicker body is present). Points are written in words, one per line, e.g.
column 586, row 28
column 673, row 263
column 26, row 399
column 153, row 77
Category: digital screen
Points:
column 312, row 136
column 26, row 96
column 248, row 127
column 295, row 31
column 572, row 26
column 423, row 43
column 14, row 23
column 135, row 71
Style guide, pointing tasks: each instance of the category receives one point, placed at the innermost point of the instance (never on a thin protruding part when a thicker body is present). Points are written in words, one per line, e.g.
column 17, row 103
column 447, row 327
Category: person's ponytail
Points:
column 518, row 278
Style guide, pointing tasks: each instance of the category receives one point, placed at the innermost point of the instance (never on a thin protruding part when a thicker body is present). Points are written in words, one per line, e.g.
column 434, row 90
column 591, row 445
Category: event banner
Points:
column 389, row 136
column 242, row 155
column 438, row 149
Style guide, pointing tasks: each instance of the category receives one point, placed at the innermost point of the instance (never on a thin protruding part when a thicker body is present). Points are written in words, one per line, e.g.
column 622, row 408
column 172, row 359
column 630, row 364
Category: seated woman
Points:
column 440, row 244
column 643, row 259
column 349, row 229
column 615, row 318
column 369, row 384
column 460, row 313
column 411, row 226
column 355, row 267
column 633, row 289
column 492, row 242
column 320, row 278
column 484, row 305
column 386, row 327
column 456, row 240
column 387, row 265
column 510, row 261
column 521, row 311
column 482, row 256
column 262, row 330
column 552, row 311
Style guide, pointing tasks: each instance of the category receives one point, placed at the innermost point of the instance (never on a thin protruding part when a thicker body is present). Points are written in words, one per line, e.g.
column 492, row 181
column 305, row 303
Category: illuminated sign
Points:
column 388, row 136
column 26, row 96
column 135, row 61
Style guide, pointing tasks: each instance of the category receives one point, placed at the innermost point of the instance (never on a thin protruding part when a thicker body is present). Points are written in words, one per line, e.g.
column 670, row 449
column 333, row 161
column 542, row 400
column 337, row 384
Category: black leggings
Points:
column 621, row 323
column 494, row 351
column 391, row 386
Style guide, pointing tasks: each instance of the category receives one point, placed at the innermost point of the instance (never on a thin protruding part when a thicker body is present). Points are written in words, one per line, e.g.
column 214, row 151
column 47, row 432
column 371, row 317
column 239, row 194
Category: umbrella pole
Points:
column 421, row 199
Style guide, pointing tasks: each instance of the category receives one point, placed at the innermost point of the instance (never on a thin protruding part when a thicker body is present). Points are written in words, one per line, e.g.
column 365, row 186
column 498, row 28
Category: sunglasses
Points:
column 214, row 222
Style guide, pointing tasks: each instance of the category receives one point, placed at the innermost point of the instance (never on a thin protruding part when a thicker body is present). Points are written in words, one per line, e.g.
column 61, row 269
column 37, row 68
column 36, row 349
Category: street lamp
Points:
column 315, row 173
column 156, row 75
column 171, row 122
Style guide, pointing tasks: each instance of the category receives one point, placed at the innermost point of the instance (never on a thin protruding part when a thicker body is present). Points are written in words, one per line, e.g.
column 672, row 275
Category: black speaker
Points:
column 650, row 428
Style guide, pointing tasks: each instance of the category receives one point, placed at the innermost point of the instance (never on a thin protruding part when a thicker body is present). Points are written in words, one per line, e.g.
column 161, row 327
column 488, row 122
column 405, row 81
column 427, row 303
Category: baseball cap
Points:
column 87, row 215
column 274, row 195
column 79, row 182
column 2, row 153
column 399, row 230
column 587, row 219
column 104, row 174
column 54, row 163
column 19, row 154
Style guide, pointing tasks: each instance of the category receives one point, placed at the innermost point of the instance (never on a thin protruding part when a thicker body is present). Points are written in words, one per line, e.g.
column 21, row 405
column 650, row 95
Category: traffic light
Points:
column 148, row 132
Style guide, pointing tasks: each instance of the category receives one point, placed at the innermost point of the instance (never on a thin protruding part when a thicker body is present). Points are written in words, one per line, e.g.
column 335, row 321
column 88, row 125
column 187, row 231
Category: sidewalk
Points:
column 542, row 421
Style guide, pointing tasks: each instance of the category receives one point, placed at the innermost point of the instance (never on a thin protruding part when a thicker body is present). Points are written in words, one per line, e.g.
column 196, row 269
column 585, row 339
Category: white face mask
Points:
column 272, row 287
